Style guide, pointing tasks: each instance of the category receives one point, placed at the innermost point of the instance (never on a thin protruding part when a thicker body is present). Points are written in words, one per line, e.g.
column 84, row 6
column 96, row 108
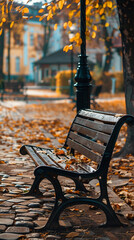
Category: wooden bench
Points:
column 92, row 134
column 13, row 89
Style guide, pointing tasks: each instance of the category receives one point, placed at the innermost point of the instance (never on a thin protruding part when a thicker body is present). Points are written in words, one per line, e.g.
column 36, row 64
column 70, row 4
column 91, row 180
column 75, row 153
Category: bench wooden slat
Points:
column 91, row 133
column 56, row 159
column 105, row 128
column 62, row 161
column 44, row 157
column 87, row 142
column 83, row 150
column 99, row 117
column 87, row 168
column 33, row 155
column 47, row 157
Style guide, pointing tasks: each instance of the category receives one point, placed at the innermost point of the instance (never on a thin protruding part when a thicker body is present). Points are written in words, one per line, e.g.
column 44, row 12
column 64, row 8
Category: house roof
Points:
column 58, row 57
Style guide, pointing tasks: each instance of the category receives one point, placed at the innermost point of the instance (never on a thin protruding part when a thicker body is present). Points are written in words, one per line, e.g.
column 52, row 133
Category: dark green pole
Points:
column 72, row 76
column 83, row 77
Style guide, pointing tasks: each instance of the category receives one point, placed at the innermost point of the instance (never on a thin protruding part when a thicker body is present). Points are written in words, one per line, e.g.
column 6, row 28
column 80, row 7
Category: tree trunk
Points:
column 108, row 41
column 1, row 54
column 126, row 17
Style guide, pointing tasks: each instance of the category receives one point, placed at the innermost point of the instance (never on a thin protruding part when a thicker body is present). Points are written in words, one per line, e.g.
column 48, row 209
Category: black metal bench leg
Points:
column 53, row 221
column 34, row 190
column 112, row 219
column 79, row 185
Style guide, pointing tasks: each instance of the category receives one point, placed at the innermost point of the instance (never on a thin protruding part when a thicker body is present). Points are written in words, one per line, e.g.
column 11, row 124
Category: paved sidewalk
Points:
column 20, row 215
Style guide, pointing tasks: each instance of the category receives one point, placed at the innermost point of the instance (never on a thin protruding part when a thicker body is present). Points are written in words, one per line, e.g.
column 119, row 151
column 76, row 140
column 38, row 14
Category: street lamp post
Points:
column 83, row 77
column 9, row 36
column 72, row 75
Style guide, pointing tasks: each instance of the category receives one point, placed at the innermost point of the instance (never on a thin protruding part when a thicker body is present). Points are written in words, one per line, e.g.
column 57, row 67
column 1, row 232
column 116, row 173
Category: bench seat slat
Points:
column 87, row 143
column 91, row 133
column 83, row 150
column 44, row 157
column 33, row 155
column 105, row 128
column 99, row 117
column 62, row 161
column 87, row 168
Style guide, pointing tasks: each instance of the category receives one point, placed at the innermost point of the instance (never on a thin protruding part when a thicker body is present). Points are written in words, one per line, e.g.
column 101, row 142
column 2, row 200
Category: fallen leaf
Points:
column 72, row 235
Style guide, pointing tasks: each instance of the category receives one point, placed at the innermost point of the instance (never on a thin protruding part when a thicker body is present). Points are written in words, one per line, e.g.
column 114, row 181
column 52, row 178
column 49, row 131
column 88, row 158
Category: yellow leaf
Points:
column 71, row 47
column 104, row 5
column 66, row 48
column 3, row 9
column 69, row 5
column 55, row 27
column 88, row 10
column 49, row 7
column 69, row 23
column 45, row 4
column 60, row 152
column 61, row 4
column 3, row 19
column 25, row 10
column 65, row 25
column 97, row 5
column 101, row 11
column 41, row 11
column 93, row 34
column 109, row 4
column 11, row 25
column 0, row 31
column 107, row 24
column 95, row 28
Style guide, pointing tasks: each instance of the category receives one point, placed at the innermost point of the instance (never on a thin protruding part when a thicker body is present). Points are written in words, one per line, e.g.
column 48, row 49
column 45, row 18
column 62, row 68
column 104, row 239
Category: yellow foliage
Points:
column 12, row 23
column 65, row 25
column 0, row 31
column 109, row 4
column 41, row 10
column 70, row 24
column 3, row 19
column 62, row 81
column 93, row 34
column 107, row 24
column 101, row 11
column 69, row 5
column 95, row 28
column 55, row 27
column 61, row 4
column 25, row 10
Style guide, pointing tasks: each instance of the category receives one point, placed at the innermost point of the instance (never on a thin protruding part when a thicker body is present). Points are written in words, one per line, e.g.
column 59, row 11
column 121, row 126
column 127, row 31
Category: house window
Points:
column 17, row 64
column 17, row 39
column 40, row 39
column 6, row 64
column 31, row 39
column 53, row 72
column 47, row 72
column 31, row 65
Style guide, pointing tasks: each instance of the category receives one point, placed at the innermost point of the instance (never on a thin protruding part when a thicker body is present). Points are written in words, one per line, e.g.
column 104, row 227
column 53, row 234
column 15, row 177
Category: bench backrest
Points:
column 94, row 133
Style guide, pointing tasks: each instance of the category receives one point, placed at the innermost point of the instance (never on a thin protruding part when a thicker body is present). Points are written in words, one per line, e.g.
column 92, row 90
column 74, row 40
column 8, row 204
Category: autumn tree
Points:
column 10, row 16
column 126, row 16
